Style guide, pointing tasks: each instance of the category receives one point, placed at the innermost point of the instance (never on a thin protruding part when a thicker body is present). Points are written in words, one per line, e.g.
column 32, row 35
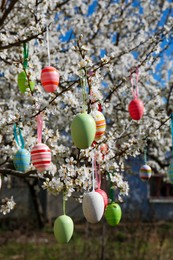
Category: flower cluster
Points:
column 7, row 205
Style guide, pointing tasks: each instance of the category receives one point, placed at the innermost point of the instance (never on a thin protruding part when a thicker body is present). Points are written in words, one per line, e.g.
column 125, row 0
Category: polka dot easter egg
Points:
column 49, row 79
column 41, row 157
column 145, row 172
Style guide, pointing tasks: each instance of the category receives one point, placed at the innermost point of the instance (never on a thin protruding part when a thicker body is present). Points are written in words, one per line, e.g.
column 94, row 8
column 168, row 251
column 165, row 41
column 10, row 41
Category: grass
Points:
column 149, row 241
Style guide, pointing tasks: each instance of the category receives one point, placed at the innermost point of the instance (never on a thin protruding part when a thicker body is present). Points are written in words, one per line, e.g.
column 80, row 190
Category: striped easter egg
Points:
column 100, row 124
column 21, row 160
column 41, row 157
column 145, row 172
column 49, row 79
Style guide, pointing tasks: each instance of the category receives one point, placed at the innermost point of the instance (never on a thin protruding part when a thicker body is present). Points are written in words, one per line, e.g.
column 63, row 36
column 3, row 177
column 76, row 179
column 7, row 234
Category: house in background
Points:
column 147, row 201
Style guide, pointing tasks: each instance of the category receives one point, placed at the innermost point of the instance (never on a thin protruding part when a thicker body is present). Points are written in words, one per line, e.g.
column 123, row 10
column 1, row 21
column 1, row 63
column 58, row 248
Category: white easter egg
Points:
column 93, row 206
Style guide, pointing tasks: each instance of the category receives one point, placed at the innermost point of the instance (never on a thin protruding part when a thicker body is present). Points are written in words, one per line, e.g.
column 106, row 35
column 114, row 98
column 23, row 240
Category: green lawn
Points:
column 92, row 242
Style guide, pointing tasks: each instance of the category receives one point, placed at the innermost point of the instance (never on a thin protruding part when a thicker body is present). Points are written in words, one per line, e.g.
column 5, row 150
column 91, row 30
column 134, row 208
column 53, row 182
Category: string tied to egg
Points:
column 83, row 83
column 18, row 136
column 135, row 90
column 25, row 54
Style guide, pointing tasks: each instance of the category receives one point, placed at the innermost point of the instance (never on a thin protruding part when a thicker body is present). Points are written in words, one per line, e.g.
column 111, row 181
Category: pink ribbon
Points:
column 39, row 128
column 135, row 91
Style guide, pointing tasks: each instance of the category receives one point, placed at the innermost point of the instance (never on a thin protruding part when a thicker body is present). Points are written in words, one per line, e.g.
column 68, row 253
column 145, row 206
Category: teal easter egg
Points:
column 83, row 130
column 113, row 214
column 63, row 229
column 22, row 82
column 21, row 160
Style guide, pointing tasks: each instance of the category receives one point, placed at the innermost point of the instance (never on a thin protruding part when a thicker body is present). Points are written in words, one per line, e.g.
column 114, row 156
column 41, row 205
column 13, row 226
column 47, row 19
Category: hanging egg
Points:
column 100, row 124
column 136, row 109
column 145, row 172
column 104, row 196
column 83, row 129
column 49, row 79
column 104, row 149
column 63, row 229
column 93, row 206
column 41, row 157
column 170, row 171
column 21, row 160
column 113, row 214
column 22, row 82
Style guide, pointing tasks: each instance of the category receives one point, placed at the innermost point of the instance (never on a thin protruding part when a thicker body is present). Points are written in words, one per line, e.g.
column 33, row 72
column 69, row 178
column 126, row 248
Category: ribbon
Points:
column 83, row 84
column 48, row 47
column 145, row 155
column 64, row 204
column 93, row 168
column 172, row 131
column 98, row 175
column 39, row 128
column 18, row 136
column 25, row 55
column 135, row 91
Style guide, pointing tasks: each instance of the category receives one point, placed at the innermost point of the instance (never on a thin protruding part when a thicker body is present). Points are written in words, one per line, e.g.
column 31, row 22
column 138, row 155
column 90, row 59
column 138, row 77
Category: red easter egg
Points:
column 49, row 79
column 41, row 157
column 104, row 196
column 136, row 109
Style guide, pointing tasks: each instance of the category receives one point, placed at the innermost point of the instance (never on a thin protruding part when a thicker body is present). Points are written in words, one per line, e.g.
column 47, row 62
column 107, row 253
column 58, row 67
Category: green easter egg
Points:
column 83, row 130
column 63, row 229
column 22, row 82
column 113, row 214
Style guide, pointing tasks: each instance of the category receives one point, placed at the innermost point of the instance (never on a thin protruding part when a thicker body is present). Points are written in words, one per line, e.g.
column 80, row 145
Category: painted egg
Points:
column 83, row 129
column 49, row 79
column 170, row 171
column 22, row 160
column 136, row 109
column 22, row 82
column 41, row 157
column 100, row 124
column 113, row 214
column 93, row 207
column 145, row 172
column 63, row 229
column 104, row 196
column 104, row 149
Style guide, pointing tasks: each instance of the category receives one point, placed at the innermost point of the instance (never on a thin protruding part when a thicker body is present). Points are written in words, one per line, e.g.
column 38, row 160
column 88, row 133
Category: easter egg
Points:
column 170, row 171
column 136, row 109
column 113, row 214
column 22, row 82
column 104, row 196
column 100, row 124
column 104, row 149
column 145, row 172
column 83, row 129
column 63, row 229
column 93, row 206
column 49, row 79
column 41, row 157
column 21, row 160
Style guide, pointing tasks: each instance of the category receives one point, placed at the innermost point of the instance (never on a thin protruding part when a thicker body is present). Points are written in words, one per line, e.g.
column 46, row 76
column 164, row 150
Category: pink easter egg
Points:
column 49, row 79
column 136, row 109
column 41, row 157
column 104, row 196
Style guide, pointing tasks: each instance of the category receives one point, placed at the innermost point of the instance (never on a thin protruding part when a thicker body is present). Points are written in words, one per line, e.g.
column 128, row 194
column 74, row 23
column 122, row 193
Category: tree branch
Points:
column 7, row 11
